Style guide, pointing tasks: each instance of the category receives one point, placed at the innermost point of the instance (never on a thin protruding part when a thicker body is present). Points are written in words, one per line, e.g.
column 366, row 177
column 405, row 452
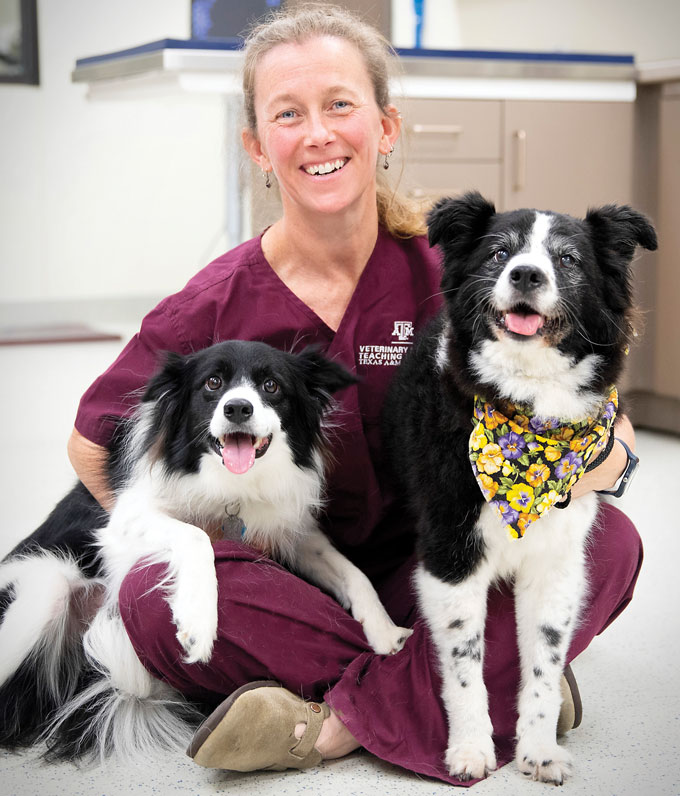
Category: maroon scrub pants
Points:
column 275, row 626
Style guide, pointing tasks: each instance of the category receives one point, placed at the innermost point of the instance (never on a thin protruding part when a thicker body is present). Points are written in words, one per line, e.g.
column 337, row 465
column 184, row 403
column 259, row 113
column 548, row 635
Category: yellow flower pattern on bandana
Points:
column 524, row 465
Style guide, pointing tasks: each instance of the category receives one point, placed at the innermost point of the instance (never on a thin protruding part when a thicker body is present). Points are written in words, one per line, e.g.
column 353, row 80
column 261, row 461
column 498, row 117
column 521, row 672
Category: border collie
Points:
column 230, row 438
column 481, row 426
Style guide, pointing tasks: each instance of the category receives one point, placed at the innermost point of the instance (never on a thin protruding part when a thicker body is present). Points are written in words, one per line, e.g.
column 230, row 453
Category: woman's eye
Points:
column 213, row 383
column 287, row 115
column 270, row 386
column 501, row 256
column 341, row 105
column 567, row 260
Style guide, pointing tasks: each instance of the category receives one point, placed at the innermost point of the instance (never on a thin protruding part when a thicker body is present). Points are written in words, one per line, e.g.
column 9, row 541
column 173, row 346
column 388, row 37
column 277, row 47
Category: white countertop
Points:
column 210, row 67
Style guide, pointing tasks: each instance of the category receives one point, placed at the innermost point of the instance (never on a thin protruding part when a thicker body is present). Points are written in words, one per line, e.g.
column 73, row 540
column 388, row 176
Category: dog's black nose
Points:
column 238, row 410
column 526, row 278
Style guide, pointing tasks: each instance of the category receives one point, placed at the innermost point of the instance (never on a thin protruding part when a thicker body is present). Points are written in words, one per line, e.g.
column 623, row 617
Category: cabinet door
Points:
column 449, row 146
column 667, row 337
column 431, row 181
column 567, row 156
column 444, row 130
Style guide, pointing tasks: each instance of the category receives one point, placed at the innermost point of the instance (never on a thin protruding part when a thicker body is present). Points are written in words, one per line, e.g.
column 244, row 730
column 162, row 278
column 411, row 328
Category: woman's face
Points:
column 319, row 126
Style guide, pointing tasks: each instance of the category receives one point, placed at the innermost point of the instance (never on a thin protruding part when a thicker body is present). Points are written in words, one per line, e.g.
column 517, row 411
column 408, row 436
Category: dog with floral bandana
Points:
column 501, row 405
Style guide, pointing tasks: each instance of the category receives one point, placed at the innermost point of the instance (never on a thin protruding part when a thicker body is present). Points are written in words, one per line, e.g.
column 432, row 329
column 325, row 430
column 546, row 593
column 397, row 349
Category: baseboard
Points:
column 655, row 412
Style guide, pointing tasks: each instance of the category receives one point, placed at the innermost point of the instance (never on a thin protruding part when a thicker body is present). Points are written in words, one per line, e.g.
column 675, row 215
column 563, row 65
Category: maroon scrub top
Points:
column 239, row 296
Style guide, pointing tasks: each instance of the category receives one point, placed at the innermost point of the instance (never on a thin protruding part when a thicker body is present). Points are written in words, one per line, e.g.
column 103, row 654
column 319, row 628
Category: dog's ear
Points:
column 322, row 376
column 167, row 379
column 618, row 229
column 457, row 224
column 168, row 389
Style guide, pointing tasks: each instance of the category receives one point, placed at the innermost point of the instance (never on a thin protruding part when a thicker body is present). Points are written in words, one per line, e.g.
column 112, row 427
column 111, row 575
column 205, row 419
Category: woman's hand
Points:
column 608, row 473
column 90, row 461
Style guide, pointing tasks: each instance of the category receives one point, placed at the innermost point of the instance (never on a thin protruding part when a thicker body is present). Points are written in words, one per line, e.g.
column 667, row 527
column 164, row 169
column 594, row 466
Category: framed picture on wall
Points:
column 19, row 42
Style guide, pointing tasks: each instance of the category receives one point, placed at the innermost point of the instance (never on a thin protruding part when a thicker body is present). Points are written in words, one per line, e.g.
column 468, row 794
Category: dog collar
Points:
column 525, row 465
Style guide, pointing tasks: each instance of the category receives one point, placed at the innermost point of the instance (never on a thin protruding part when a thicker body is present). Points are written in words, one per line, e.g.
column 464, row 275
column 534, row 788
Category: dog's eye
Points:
column 567, row 260
column 213, row 383
column 270, row 386
column 501, row 256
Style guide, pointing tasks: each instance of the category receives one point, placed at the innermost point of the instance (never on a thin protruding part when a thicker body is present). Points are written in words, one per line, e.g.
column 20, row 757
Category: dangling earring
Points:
column 267, row 179
column 386, row 164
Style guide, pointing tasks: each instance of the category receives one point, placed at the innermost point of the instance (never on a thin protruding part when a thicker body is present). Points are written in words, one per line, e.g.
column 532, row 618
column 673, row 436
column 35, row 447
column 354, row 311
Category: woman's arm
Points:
column 90, row 461
column 608, row 473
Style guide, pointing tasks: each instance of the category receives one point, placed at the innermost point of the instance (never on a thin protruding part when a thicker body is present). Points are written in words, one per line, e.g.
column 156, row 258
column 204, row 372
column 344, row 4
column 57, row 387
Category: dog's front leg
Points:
column 318, row 561
column 456, row 615
column 547, row 598
column 137, row 532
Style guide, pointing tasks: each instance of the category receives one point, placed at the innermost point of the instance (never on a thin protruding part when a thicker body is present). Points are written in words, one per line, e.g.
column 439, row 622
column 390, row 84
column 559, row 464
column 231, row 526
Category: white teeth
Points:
column 326, row 168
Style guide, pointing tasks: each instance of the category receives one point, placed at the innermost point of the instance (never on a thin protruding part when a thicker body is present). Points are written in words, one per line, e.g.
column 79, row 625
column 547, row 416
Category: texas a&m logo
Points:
column 390, row 354
column 402, row 330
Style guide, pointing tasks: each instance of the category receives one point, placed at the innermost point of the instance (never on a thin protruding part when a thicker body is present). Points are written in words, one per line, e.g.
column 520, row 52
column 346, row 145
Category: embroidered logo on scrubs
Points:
column 388, row 355
column 524, row 465
column 402, row 330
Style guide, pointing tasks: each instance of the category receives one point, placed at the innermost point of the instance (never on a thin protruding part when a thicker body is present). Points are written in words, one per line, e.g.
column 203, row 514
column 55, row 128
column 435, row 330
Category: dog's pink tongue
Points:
column 238, row 453
column 523, row 324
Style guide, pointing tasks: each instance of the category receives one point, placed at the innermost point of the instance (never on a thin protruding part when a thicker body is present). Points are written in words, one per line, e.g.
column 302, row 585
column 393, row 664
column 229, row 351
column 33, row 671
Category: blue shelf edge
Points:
column 511, row 55
column 487, row 55
column 164, row 44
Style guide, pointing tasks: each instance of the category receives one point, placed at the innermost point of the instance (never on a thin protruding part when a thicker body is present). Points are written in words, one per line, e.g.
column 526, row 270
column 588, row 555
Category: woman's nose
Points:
column 318, row 130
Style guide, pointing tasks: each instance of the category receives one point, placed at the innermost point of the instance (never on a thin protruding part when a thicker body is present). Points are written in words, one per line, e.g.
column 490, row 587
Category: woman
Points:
column 345, row 263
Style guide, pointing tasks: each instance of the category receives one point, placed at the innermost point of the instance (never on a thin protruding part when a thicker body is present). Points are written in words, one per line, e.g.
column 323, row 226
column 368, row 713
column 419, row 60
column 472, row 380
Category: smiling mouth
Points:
column 239, row 451
column 329, row 167
column 523, row 321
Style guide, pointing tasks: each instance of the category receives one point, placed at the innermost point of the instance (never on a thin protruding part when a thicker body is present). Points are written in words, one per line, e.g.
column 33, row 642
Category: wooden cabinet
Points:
column 567, row 156
column 667, row 338
column 449, row 146
column 563, row 156
column 655, row 362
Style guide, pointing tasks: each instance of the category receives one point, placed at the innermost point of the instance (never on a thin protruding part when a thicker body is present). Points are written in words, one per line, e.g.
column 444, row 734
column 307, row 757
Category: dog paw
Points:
column 196, row 623
column 544, row 762
column 197, row 644
column 385, row 637
column 471, row 759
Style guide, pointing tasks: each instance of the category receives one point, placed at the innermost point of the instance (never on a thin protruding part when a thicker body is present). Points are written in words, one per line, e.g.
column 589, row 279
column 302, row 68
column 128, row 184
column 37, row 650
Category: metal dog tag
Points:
column 233, row 527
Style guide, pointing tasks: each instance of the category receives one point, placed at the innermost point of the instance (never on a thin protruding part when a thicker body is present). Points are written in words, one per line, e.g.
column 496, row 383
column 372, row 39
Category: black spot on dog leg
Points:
column 552, row 635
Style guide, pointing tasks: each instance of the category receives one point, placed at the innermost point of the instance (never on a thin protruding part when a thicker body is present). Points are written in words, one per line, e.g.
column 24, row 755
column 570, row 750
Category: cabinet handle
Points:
column 520, row 139
column 437, row 129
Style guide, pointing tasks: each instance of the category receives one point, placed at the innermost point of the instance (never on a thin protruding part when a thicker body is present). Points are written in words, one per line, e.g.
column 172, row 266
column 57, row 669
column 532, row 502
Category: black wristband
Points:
column 603, row 455
column 595, row 463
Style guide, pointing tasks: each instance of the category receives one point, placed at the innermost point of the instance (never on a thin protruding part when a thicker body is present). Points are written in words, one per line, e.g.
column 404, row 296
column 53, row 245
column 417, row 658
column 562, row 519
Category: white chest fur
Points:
column 557, row 537
column 530, row 372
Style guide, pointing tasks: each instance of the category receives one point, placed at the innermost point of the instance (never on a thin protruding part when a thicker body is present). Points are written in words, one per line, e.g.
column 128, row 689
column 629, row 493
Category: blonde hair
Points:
column 401, row 217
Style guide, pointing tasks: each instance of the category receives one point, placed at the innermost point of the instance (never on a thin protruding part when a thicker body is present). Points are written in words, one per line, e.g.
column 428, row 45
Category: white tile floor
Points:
column 629, row 742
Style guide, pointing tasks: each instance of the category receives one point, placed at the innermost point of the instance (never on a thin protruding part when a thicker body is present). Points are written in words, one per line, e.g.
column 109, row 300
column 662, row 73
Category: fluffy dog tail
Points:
column 69, row 675
column 119, row 708
column 44, row 602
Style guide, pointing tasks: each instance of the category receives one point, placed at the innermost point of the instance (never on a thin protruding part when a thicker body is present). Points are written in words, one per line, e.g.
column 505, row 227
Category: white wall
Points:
column 122, row 197
column 647, row 29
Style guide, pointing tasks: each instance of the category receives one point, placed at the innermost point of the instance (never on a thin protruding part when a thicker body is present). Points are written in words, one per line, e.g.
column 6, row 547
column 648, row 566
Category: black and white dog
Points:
column 232, row 437
column 533, row 333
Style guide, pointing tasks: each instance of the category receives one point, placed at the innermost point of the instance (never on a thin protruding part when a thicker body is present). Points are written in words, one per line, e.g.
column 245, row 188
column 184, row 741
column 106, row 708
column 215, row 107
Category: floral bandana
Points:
column 524, row 465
